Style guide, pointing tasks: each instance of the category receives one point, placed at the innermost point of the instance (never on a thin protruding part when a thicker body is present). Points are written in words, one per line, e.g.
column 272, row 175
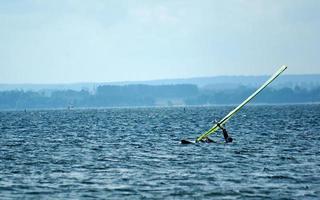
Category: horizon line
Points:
column 150, row 80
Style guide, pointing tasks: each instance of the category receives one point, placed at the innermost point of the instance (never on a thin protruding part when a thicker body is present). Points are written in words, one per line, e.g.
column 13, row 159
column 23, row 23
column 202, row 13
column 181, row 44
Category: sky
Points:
column 69, row 41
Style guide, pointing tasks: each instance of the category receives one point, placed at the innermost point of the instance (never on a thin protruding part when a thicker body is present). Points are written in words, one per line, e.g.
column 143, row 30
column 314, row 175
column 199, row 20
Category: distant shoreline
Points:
column 179, row 95
column 286, row 80
column 156, row 107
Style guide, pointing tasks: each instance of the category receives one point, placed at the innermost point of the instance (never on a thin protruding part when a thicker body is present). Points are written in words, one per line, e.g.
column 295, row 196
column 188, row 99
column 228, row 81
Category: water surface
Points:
column 135, row 154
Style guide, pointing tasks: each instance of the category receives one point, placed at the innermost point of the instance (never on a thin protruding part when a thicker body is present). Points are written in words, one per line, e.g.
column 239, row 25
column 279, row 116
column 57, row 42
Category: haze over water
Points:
column 134, row 153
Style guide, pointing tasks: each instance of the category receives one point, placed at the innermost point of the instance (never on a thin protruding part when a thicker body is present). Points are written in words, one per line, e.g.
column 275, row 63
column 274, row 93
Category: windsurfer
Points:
column 227, row 138
column 206, row 140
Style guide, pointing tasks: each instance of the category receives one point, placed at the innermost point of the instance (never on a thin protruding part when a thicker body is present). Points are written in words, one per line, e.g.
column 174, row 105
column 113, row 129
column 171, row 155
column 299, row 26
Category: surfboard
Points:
column 234, row 111
column 187, row 142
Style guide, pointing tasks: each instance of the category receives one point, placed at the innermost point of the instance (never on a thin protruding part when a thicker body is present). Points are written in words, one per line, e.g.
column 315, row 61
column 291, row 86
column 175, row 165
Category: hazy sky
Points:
column 63, row 41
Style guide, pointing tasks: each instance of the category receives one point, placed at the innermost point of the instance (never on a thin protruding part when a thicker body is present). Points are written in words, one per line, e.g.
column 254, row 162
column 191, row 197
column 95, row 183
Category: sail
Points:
column 234, row 111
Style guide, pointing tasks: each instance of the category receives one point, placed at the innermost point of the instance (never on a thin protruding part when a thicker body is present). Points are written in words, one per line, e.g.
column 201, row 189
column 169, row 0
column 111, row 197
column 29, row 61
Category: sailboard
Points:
column 234, row 111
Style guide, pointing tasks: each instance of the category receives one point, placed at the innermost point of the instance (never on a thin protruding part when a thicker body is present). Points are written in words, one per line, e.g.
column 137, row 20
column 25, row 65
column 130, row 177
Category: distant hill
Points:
column 231, row 82
column 150, row 95
column 217, row 82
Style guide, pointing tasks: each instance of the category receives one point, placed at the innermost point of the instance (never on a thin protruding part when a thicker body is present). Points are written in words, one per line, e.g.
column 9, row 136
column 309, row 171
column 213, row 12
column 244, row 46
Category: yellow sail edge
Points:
column 234, row 111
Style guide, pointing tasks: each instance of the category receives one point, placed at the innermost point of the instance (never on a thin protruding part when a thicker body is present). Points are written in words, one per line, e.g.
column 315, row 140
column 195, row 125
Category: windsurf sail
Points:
column 234, row 111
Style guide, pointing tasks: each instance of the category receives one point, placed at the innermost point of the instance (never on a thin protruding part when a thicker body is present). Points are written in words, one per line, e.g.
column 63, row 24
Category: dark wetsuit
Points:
column 225, row 134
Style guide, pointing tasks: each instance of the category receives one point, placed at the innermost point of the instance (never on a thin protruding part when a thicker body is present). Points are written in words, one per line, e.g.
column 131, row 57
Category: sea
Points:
column 135, row 153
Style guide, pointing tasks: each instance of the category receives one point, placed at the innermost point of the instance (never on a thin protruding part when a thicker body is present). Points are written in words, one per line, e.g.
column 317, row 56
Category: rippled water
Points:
column 136, row 154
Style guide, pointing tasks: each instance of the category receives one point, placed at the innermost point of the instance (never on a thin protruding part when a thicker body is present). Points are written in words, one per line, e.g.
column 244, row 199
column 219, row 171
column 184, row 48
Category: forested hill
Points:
column 216, row 82
column 152, row 95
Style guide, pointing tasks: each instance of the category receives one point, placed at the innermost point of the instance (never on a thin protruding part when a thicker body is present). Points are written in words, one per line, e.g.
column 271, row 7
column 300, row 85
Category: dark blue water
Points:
column 135, row 154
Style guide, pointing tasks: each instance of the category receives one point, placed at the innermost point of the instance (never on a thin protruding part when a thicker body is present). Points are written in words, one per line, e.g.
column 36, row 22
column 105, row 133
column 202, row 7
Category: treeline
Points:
column 147, row 95
column 268, row 95
column 104, row 96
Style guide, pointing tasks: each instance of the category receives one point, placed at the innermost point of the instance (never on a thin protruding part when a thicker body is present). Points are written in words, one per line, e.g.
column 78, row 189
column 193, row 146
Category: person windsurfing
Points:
column 227, row 138
column 206, row 140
